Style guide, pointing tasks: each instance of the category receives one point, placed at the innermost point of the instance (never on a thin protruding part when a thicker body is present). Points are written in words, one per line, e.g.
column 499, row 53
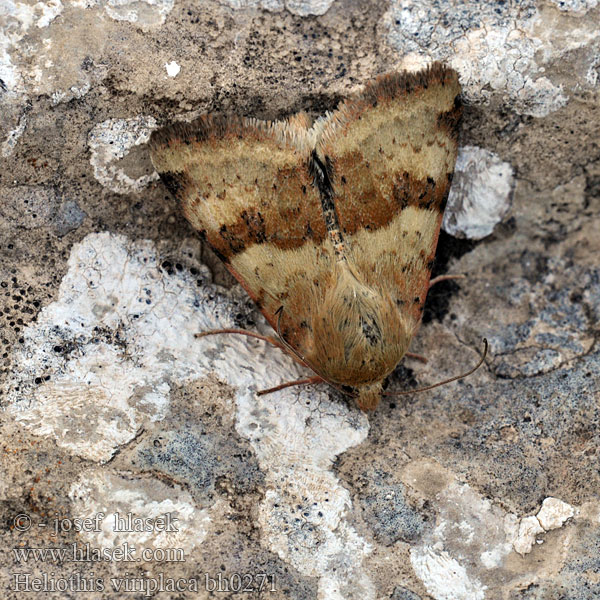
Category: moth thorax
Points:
column 359, row 334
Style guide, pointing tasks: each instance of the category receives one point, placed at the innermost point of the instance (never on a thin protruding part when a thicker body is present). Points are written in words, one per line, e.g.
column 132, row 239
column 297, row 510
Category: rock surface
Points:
column 140, row 460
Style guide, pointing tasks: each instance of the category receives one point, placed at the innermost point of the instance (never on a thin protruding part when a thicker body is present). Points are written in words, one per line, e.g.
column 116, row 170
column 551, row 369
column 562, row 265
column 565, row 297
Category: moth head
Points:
column 359, row 333
column 368, row 396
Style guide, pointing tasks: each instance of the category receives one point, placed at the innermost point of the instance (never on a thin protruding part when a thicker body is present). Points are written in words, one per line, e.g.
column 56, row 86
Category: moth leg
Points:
column 435, row 280
column 281, row 386
column 245, row 332
column 420, row 357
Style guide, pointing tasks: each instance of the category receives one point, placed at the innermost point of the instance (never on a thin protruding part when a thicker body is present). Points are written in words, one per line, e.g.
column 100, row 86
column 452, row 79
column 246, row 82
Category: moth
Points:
column 330, row 227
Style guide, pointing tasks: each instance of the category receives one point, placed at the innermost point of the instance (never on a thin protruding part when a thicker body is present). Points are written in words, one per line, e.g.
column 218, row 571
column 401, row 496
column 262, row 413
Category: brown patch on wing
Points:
column 242, row 182
column 370, row 207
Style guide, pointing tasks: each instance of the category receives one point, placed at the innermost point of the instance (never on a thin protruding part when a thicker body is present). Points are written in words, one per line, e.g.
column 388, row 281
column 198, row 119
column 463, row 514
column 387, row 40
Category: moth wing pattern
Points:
column 391, row 152
column 245, row 185
column 335, row 223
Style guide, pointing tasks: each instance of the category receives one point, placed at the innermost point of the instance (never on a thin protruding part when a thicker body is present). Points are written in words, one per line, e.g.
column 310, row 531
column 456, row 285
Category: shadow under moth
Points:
column 330, row 227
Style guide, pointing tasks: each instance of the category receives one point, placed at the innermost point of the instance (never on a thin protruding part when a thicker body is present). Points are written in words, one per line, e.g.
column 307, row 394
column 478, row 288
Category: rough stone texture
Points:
column 480, row 194
column 485, row 488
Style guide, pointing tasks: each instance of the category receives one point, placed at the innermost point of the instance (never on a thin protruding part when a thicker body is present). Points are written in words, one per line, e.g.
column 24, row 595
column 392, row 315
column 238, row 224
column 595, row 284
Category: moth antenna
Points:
column 439, row 278
column 246, row 332
column 430, row 387
column 281, row 386
column 306, row 381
